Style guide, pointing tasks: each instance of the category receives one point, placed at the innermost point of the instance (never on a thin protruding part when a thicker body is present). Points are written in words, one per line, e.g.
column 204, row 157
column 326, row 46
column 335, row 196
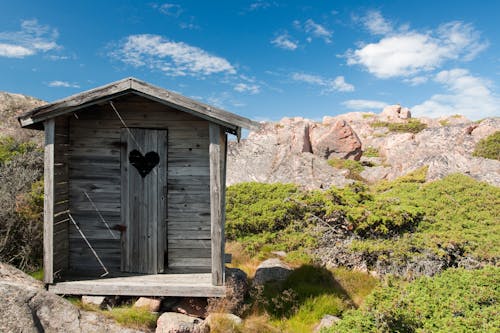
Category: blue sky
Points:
column 263, row 59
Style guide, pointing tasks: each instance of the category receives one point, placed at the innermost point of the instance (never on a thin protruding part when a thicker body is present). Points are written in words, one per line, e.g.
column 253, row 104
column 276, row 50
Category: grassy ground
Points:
column 125, row 315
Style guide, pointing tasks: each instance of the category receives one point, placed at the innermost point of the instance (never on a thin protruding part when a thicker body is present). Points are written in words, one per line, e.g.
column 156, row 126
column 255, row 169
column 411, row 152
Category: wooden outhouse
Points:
column 134, row 191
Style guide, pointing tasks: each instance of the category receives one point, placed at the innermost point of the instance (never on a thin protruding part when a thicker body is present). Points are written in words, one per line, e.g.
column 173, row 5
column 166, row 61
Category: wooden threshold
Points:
column 182, row 285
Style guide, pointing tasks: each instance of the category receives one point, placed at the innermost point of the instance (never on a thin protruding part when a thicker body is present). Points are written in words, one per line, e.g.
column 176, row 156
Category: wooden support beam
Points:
column 48, row 203
column 216, row 150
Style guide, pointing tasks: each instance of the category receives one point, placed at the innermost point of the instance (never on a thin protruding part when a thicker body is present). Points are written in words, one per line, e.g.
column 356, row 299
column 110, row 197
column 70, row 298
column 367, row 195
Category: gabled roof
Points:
column 233, row 122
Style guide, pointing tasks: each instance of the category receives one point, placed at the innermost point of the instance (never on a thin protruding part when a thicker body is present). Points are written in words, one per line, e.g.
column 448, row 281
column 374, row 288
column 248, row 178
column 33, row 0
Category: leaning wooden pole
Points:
column 48, row 202
column 216, row 193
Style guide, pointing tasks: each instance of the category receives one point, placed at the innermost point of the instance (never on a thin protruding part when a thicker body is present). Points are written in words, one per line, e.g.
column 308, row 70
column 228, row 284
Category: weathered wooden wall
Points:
column 61, row 196
column 94, row 155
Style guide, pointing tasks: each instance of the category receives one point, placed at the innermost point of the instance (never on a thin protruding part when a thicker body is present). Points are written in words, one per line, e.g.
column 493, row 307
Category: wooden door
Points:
column 143, row 199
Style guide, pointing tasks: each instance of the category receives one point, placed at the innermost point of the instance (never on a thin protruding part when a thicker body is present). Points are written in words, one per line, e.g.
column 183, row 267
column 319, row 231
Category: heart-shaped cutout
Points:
column 143, row 164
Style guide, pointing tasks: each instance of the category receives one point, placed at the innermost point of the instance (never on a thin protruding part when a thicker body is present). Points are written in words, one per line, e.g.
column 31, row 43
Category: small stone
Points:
column 173, row 322
column 326, row 321
column 150, row 304
column 94, row 300
column 271, row 270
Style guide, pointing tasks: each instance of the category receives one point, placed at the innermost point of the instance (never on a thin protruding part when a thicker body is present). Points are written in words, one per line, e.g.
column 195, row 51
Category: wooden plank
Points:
column 162, row 200
column 189, row 244
column 217, row 261
column 199, row 262
column 138, row 289
column 48, row 207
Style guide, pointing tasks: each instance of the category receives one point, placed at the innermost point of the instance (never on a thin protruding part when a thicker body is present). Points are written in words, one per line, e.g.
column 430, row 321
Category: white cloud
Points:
column 376, row 23
column 317, row 30
column 468, row 95
column 63, row 84
column 328, row 85
column 364, row 105
column 408, row 53
column 172, row 58
column 284, row 41
column 251, row 89
column 417, row 80
column 170, row 9
column 31, row 39
column 259, row 5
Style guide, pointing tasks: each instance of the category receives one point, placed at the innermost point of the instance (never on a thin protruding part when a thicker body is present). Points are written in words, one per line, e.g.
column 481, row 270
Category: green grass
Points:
column 444, row 122
column 354, row 167
column 489, row 147
column 38, row 275
column 410, row 126
column 371, row 152
column 125, row 315
column 310, row 292
column 457, row 300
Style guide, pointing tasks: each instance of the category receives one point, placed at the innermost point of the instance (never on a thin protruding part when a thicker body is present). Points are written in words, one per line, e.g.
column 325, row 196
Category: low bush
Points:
column 354, row 167
column 371, row 152
column 21, row 205
column 10, row 147
column 489, row 147
column 410, row 126
column 457, row 300
column 459, row 218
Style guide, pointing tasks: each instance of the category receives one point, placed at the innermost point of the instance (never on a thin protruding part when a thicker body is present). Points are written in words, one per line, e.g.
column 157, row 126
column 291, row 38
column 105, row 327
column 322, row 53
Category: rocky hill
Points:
column 387, row 145
column 12, row 105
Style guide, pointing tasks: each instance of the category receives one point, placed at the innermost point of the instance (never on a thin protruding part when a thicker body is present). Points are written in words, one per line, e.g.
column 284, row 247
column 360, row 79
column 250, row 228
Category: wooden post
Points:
column 216, row 192
column 48, row 203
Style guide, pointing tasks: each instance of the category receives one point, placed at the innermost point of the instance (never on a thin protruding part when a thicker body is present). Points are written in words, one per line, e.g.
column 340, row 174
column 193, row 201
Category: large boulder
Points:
column 148, row 303
column 271, row 270
column 337, row 140
column 27, row 307
column 173, row 322
column 236, row 292
column 220, row 322
column 395, row 113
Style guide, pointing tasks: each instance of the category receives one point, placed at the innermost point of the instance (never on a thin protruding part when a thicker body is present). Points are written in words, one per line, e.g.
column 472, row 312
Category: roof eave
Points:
column 233, row 122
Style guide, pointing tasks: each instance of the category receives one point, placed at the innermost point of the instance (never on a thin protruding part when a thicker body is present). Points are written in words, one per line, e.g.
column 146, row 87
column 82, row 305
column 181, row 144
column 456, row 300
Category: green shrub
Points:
column 354, row 167
column 371, row 152
column 457, row 300
column 10, row 147
column 489, row 147
column 253, row 208
column 410, row 126
column 459, row 213
column 21, row 206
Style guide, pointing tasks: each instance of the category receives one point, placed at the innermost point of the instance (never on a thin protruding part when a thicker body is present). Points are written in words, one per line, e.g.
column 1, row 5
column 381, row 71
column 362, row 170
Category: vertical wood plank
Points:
column 223, row 162
column 125, row 262
column 162, row 150
column 215, row 204
column 48, row 203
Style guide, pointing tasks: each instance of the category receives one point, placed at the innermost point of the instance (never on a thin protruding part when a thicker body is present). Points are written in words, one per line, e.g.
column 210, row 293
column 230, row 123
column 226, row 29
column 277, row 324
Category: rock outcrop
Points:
column 27, row 307
column 13, row 105
column 296, row 150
